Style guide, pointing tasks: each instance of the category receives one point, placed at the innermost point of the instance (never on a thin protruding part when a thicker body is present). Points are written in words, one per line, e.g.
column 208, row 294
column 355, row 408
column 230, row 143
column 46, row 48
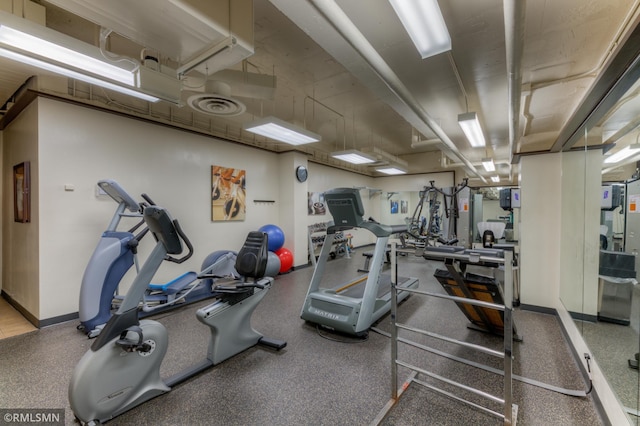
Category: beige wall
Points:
column 559, row 227
column 20, row 244
column 581, row 183
column 540, row 218
column 293, row 207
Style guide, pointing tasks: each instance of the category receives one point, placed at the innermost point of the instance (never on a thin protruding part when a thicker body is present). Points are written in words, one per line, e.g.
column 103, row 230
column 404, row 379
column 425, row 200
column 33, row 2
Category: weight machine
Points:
column 429, row 232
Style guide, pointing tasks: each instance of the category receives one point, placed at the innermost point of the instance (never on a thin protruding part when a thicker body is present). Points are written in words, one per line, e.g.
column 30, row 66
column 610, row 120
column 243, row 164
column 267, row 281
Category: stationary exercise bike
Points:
column 122, row 368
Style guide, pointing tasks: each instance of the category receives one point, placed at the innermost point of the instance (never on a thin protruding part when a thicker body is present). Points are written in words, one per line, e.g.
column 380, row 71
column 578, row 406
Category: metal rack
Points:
column 509, row 413
column 317, row 234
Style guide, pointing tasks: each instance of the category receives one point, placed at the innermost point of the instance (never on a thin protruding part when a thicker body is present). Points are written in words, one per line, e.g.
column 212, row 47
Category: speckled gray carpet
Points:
column 314, row 380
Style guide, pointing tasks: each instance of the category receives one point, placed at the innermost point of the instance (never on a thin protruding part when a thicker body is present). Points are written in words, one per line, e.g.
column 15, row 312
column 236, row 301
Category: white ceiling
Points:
column 326, row 85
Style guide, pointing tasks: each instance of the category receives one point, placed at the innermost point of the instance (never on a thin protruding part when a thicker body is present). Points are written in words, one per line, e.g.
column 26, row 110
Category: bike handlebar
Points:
column 148, row 199
column 184, row 238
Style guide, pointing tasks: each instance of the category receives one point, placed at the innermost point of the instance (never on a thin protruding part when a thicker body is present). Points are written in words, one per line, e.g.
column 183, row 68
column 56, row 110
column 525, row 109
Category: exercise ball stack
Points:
column 280, row 259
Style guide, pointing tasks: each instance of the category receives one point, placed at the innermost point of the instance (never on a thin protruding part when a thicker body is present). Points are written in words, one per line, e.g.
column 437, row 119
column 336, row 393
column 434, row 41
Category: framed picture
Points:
column 228, row 191
column 315, row 203
column 394, row 207
column 21, row 193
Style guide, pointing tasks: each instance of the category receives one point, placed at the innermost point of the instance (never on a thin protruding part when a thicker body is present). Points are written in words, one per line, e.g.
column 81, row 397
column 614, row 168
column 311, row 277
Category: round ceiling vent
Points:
column 215, row 104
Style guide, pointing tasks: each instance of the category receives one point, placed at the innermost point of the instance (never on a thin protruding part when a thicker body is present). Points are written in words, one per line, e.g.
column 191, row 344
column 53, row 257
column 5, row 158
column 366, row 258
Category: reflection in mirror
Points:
column 612, row 329
column 455, row 216
column 433, row 216
column 496, row 205
column 612, row 217
column 613, row 337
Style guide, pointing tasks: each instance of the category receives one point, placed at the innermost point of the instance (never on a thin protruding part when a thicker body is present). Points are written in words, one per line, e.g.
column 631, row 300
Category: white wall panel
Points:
column 540, row 229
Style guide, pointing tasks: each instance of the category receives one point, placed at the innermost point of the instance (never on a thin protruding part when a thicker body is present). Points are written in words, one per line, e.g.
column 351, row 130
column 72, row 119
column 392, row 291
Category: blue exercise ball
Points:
column 275, row 236
column 273, row 265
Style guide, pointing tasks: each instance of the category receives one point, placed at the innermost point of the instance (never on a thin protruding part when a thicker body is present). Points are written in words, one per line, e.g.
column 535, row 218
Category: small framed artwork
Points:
column 315, row 203
column 21, row 193
column 394, row 207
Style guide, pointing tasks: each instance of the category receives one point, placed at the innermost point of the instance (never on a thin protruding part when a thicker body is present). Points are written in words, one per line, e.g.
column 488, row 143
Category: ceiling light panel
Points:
column 75, row 75
column 36, row 45
column 274, row 128
column 27, row 43
column 488, row 164
column 354, row 157
column 471, row 127
column 391, row 170
column 423, row 20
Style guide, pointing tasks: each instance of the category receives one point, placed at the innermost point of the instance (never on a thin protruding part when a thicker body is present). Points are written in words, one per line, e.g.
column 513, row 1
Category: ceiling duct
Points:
column 206, row 36
column 416, row 142
column 247, row 84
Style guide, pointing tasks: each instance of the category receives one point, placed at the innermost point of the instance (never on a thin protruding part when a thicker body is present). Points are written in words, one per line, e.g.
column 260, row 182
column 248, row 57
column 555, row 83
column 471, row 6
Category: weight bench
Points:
column 369, row 254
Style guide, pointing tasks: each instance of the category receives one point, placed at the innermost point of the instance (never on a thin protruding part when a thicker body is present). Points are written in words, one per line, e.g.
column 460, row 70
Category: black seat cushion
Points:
column 252, row 257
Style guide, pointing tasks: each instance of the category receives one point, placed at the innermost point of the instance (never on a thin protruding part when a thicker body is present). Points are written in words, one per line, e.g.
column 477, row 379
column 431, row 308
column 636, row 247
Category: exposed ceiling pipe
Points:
column 341, row 22
column 446, row 163
column 383, row 155
column 514, row 41
column 417, row 142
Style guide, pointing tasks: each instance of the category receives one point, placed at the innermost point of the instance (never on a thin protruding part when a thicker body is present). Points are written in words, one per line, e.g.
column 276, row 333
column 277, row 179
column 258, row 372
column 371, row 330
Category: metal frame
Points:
column 509, row 414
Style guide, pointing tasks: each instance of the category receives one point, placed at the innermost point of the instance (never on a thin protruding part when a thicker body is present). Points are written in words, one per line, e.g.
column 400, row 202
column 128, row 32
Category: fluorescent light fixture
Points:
column 391, row 170
column 38, row 46
column 488, row 164
column 625, row 152
column 274, row 128
column 495, row 179
column 471, row 127
column 43, row 48
column 353, row 156
column 76, row 75
column 423, row 20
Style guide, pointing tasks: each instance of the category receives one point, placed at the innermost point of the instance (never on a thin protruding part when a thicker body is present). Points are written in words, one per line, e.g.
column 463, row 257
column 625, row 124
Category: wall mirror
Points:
column 604, row 299
column 430, row 215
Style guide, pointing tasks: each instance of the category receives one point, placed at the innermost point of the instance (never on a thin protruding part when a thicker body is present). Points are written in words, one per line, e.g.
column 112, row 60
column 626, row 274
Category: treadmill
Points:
column 352, row 307
column 465, row 278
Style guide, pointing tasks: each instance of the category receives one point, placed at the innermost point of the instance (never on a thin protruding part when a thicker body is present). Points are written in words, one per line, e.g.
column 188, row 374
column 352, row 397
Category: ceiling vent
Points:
column 218, row 95
column 216, row 101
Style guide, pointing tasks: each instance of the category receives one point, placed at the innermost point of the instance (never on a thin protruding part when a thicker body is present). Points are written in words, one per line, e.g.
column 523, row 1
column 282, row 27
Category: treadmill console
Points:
column 345, row 205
